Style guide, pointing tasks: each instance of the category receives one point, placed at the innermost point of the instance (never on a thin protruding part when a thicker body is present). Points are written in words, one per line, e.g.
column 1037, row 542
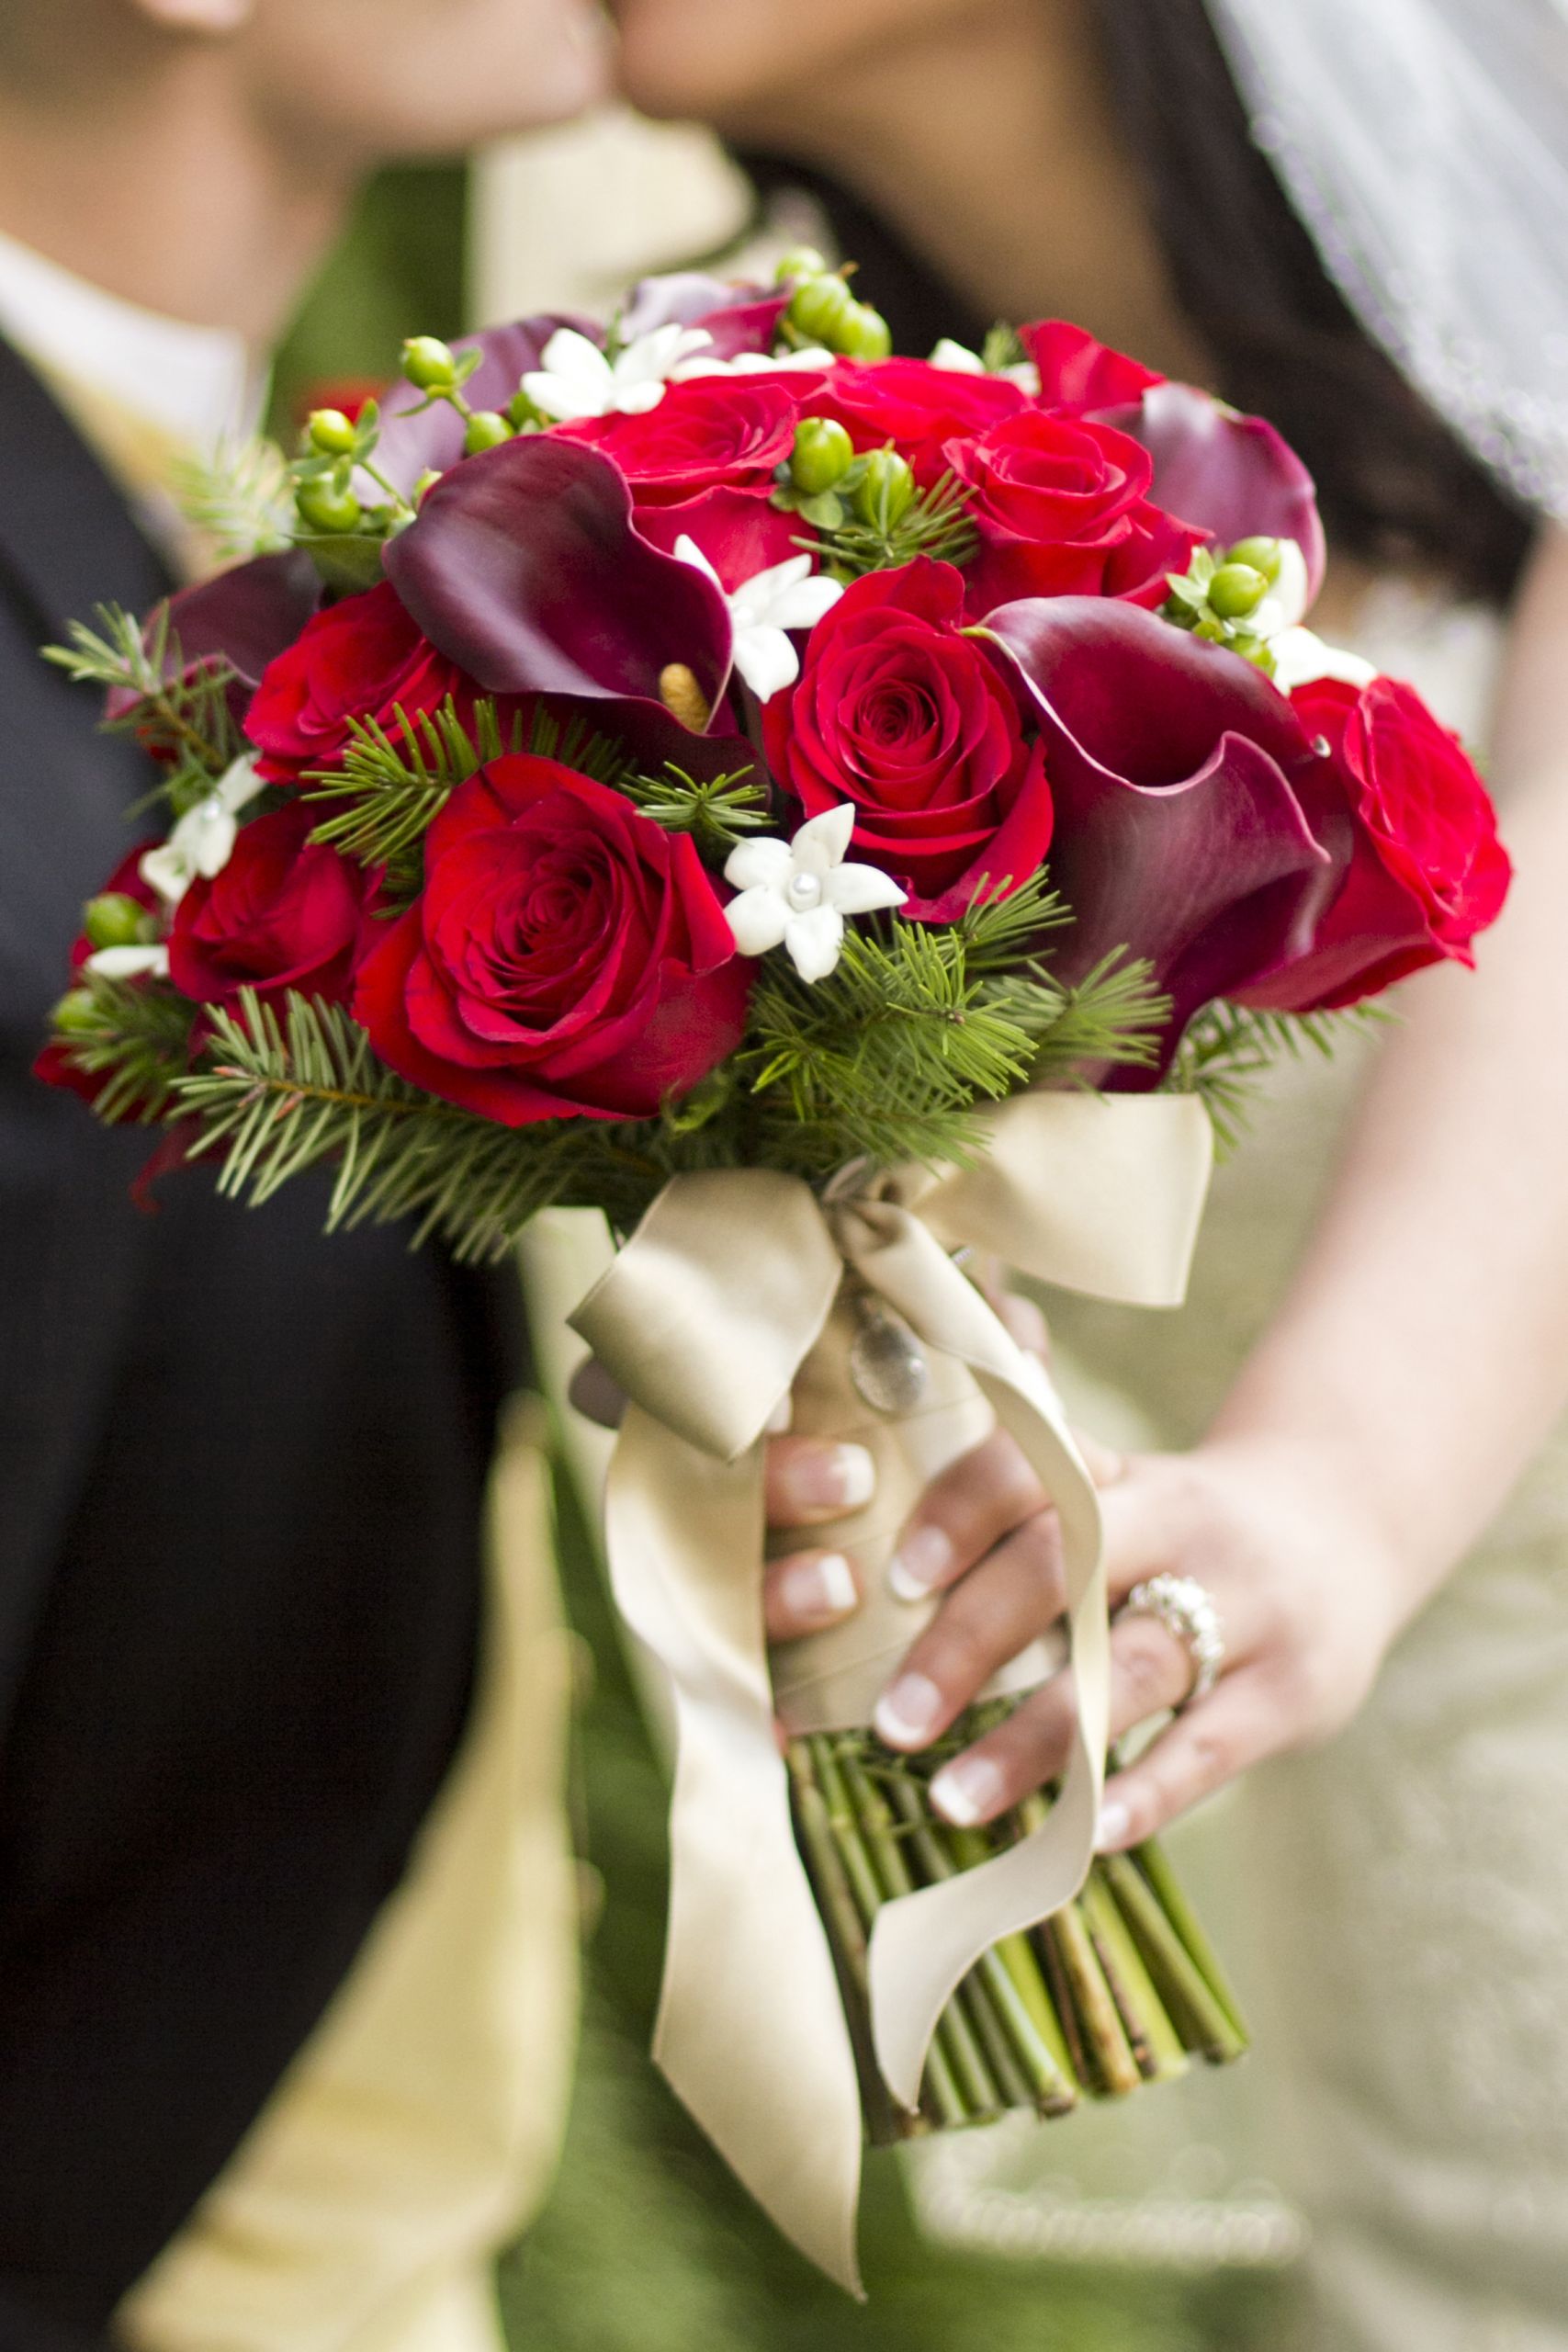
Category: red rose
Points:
column 918, row 407
column 567, row 959
column 901, row 713
column 1078, row 373
column 738, row 531
column 361, row 659
column 283, row 913
column 716, row 432
column 1398, row 802
column 1062, row 508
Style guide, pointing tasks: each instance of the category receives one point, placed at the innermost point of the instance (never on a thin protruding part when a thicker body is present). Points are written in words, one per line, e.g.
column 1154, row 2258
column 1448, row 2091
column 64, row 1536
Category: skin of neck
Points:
column 164, row 184
column 1054, row 222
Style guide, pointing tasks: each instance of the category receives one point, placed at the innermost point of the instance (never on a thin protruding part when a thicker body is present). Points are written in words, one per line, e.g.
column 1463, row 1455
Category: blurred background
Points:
column 647, row 2243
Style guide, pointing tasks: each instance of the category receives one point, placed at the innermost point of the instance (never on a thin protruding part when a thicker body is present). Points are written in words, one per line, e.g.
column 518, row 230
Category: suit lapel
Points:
column 67, row 540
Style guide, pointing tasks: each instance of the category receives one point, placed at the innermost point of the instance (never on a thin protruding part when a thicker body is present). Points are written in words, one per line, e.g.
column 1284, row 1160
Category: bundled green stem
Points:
column 1119, row 1989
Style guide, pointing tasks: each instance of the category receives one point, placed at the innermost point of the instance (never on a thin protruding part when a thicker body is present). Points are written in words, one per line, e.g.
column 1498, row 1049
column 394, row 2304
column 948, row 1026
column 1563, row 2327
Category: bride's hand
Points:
column 1302, row 1579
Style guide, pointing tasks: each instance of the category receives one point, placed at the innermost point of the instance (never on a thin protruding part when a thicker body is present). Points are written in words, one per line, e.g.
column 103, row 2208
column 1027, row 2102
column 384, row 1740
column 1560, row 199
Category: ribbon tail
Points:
column 923, row 1945
column 751, row 2033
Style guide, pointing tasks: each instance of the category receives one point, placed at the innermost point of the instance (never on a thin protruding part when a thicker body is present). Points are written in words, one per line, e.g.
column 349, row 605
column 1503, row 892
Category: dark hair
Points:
column 1395, row 484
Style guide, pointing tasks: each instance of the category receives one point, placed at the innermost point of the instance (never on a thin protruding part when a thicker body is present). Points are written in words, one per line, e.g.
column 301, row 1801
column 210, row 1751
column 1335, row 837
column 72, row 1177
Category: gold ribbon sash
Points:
column 705, row 1319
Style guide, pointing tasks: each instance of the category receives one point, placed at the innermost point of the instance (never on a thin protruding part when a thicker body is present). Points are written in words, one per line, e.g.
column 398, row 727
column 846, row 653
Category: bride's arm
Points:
column 1414, row 1366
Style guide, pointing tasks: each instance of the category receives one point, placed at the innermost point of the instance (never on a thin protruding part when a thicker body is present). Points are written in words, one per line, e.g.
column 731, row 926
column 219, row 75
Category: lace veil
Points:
column 1424, row 144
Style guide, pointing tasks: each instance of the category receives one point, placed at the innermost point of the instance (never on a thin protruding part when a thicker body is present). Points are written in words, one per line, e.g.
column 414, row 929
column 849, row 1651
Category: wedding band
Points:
column 1184, row 1609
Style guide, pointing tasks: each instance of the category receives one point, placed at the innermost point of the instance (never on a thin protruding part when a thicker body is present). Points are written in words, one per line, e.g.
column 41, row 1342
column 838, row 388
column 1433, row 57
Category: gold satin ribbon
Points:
column 705, row 1319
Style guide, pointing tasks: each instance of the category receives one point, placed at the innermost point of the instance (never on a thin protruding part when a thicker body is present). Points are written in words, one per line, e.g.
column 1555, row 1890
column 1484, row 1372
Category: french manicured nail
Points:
column 968, row 1790
column 1115, row 1821
column 909, row 1711
column 920, row 1563
column 830, row 1478
column 816, row 1590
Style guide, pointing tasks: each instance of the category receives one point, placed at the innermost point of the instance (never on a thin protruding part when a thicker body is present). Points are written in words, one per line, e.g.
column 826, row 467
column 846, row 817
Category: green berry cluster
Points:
column 1218, row 597
column 822, row 311
column 825, row 481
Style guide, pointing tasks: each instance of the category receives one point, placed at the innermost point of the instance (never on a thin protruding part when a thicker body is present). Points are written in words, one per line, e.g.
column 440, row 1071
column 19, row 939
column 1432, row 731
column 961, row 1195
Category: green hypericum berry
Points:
column 823, row 454
column 1235, row 590
column 429, row 364
column 332, row 512
column 75, row 1015
column 801, row 261
column 1262, row 554
column 425, row 483
column 331, row 433
column 486, row 430
column 867, row 334
column 885, row 492
column 113, row 920
column 820, row 309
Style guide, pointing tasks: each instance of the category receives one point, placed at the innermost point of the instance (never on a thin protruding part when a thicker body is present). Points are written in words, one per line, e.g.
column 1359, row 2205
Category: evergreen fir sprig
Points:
column 1228, row 1049
column 238, row 499
column 134, row 1036
column 717, row 812
column 178, row 709
column 277, row 1095
column 393, row 784
column 937, row 523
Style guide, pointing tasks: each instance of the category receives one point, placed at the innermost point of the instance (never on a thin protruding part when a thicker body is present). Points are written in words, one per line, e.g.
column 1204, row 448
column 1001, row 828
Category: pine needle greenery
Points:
column 179, row 712
column 133, row 1038
column 937, row 523
column 717, row 812
column 240, row 499
column 1228, row 1049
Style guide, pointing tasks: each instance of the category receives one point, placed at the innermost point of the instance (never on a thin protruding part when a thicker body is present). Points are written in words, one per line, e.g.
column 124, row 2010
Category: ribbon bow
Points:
column 705, row 1319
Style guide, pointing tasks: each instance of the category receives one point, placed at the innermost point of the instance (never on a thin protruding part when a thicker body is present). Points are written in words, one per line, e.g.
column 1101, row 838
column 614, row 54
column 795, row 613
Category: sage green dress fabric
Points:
column 1395, row 1904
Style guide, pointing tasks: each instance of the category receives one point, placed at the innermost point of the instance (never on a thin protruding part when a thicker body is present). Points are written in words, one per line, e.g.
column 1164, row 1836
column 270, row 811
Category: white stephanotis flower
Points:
column 812, row 355
column 129, row 963
column 957, row 359
column 576, row 379
column 1299, row 654
column 787, row 595
column 202, row 842
column 796, row 894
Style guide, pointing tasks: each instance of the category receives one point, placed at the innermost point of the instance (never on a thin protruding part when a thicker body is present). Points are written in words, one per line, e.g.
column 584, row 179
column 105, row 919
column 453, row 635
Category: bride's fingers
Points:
column 989, row 1617
column 1233, row 1728
column 809, row 1479
column 964, row 1513
column 806, row 1592
column 1150, row 1671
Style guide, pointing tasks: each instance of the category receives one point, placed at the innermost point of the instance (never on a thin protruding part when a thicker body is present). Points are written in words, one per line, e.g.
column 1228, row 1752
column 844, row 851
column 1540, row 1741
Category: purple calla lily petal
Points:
column 1179, row 832
column 245, row 617
column 1229, row 474
column 416, row 440
column 739, row 318
column 524, row 568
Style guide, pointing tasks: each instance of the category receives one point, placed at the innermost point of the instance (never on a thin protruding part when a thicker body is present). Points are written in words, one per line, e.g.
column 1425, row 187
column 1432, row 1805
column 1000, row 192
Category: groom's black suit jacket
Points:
column 240, row 1470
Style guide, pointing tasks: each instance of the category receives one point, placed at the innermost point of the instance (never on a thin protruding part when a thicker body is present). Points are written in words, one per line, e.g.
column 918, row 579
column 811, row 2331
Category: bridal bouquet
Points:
column 832, row 812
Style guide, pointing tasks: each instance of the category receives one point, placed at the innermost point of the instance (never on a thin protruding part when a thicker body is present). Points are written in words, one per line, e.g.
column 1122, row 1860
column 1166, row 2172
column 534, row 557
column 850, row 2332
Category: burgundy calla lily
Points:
column 1178, row 828
column 417, row 440
column 739, row 318
column 1230, row 474
column 244, row 617
column 523, row 567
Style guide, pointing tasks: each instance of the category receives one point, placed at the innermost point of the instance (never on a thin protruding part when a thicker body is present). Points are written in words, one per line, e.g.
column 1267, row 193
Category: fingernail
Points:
column 831, row 1478
column 910, row 1711
column 1115, row 1822
column 968, row 1790
column 820, row 1587
column 920, row 1563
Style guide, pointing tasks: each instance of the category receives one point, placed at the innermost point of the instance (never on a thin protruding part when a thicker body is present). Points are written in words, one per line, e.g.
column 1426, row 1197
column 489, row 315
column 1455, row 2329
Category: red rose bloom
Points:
column 918, row 407
column 739, row 531
column 361, row 659
column 716, row 432
column 284, row 913
column 567, row 959
column 1078, row 373
column 1399, row 803
column 1062, row 508
column 901, row 713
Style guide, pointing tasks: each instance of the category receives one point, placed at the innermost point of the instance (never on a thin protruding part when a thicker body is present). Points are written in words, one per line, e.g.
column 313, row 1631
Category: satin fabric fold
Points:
column 706, row 1317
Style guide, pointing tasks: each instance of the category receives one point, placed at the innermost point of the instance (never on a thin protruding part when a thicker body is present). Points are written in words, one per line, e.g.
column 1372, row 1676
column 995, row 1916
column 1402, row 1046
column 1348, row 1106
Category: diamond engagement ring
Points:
column 1184, row 1609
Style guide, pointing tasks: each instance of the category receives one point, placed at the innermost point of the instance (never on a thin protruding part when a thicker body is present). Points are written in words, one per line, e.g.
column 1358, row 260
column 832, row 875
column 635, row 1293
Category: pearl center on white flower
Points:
column 804, row 891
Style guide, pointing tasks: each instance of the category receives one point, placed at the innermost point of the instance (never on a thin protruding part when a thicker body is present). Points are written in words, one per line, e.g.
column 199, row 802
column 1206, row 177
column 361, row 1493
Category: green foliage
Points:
column 238, row 498
column 1228, row 1050
column 895, row 1055
column 179, row 712
column 717, row 813
column 135, row 1036
column 1003, row 347
column 937, row 523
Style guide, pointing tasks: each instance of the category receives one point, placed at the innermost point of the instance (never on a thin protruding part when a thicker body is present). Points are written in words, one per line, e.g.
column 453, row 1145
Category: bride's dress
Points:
column 1396, row 1904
